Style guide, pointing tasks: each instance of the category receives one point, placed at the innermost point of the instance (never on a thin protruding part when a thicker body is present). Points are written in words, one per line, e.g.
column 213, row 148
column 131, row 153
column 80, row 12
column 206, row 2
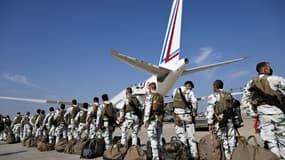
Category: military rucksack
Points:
column 236, row 114
column 109, row 111
column 134, row 105
column 225, row 103
column 34, row 118
column 262, row 93
column 246, row 151
column 60, row 118
column 175, row 149
column 75, row 110
column 210, row 148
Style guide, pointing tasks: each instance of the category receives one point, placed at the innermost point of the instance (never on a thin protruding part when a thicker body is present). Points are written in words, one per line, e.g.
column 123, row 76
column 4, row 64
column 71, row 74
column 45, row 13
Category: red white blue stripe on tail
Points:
column 171, row 45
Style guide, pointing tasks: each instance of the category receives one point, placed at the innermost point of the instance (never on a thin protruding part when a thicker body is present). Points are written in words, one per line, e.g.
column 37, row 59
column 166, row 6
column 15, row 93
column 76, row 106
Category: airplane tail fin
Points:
column 171, row 45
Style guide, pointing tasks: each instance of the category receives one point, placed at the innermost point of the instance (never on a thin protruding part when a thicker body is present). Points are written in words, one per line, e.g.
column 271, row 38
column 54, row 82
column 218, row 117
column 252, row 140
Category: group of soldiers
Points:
column 99, row 120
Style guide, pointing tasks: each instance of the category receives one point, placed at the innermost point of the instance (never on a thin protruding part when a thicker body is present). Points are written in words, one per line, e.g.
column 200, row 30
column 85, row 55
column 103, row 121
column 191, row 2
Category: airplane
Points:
column 169, row 69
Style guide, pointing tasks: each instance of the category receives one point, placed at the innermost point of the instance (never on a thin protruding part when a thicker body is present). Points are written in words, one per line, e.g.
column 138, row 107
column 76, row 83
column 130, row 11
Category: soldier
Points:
column 7, row 123
column 153, row 118
column 265, row 96
column 27, row 132
column 39, row 124
column 81, row 119
column 33, row 121
column 49, row 125
column 70, row 115
column 92, row 116
column 60, row 131
column 16, row 125
column 130, row 116
column 106, row 120
column 2, row 128
column 219, row 121
column 185, row 110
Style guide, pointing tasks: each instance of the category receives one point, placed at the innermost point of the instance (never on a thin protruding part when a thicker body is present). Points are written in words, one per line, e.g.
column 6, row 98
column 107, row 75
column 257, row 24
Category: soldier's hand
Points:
column 145, row 125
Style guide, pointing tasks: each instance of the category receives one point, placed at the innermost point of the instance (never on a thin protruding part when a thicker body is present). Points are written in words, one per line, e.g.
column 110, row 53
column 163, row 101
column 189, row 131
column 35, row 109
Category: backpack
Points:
column 60, row 146
column 246, row 151
column 43, row 145
column 109, row 111
column 134, row 105
column 10, row 137
column 115, row 152
column 88, row 150
column 69, row 146
column 236, row 114
column 34, row 118
column 230, row 107
column 262, row 93
column 210, row 148
column 78, row 146
column 135, row 153
column 175, row 149
column 224, row 104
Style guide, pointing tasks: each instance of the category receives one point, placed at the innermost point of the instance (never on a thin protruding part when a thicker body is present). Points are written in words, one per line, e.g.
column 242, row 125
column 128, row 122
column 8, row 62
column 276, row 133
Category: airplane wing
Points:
column 142, row 65
column 200, row 68
column 38, row 100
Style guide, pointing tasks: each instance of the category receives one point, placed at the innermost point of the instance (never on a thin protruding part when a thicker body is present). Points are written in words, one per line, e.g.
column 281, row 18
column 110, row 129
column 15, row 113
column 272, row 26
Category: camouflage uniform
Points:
column 228, row 133
column 39, row 126
column 50, row 126
column 104, row 125
column 185, row 129
column 72, row 126
column 60, row 131
column 33, row 123
column 91, row 119
column 154, row 129
column 272, row 119
column 27, row 132
column 131, row 121
column 16, row 125
column 81, row 119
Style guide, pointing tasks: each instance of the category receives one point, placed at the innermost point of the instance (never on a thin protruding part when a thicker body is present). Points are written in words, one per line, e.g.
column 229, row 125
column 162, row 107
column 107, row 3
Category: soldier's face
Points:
column 188, row 87
column 267, row 69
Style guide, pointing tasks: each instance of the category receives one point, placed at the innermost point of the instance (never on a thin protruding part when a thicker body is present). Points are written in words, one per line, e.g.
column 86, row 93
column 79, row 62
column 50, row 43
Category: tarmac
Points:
column 19, row 152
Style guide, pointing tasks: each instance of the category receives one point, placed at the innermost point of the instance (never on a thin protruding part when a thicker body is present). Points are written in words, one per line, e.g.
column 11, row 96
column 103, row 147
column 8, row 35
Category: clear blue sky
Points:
column 60, row 49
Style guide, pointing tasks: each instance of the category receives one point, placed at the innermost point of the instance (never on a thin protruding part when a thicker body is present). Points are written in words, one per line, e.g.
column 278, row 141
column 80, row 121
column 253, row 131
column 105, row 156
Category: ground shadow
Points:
column 9, row 153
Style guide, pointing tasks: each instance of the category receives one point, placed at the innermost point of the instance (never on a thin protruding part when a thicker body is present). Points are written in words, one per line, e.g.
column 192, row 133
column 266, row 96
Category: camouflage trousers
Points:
column 272, row 130
column 132, row 123
column 71, row 132
column 60, row 132
column 154, row 132
column 27, row 132
column 92, row 131
column 186, row 132
column 82, row 131
column 51, row 134
column 17, row 131
column 106, row 131
column 228, row 137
